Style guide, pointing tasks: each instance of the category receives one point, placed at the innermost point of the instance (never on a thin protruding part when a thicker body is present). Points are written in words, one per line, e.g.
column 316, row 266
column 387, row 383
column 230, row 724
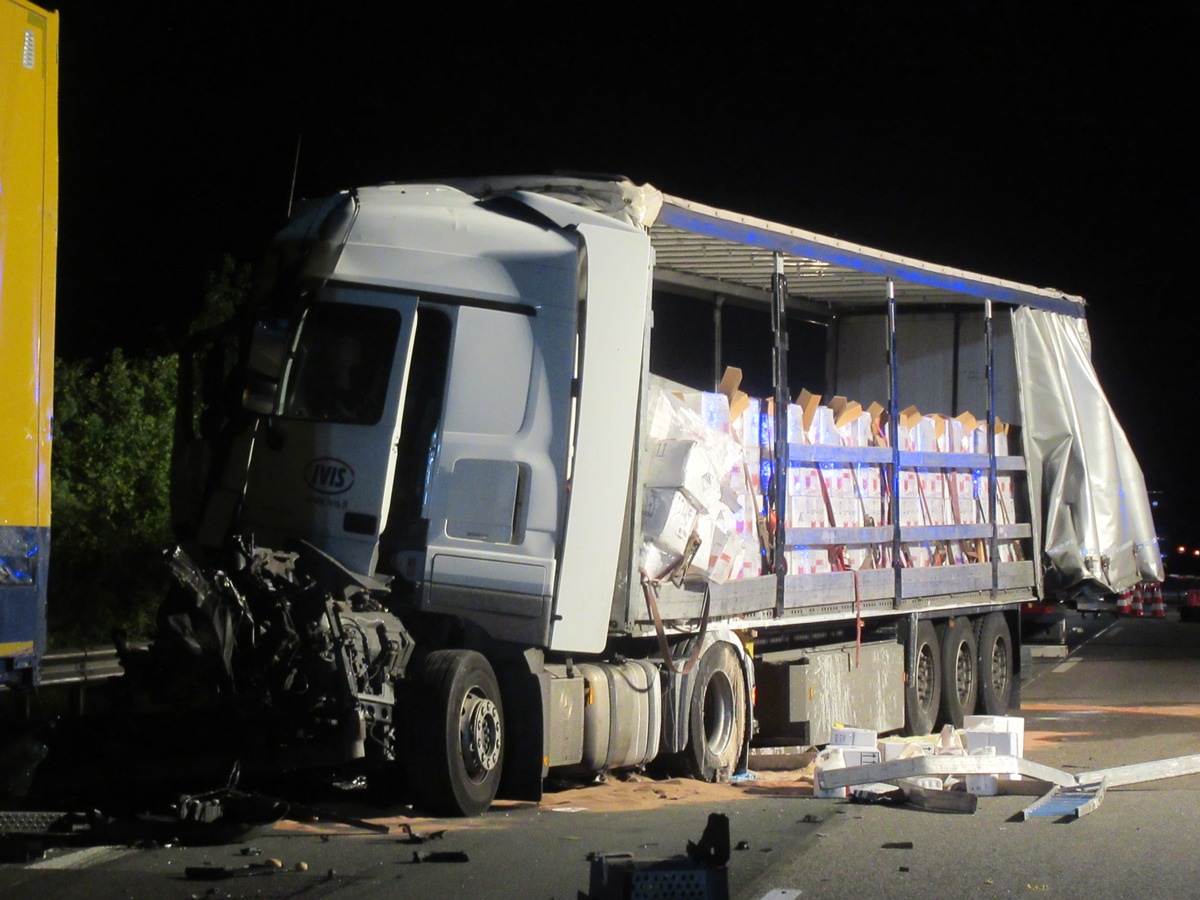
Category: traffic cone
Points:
column 1123, row 600
column 1136, row 606
column 1157, row 608
column 1190, row 611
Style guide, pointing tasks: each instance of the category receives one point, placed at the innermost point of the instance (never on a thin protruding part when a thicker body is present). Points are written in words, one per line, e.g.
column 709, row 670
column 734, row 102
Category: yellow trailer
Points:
column 28, row 242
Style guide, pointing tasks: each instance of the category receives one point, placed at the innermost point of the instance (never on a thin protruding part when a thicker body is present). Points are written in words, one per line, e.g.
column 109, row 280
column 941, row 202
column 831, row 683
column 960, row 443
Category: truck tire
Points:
column 960, row 671
column 994, row 641
column 459, row 734
column 923, row 685
column 716, row 715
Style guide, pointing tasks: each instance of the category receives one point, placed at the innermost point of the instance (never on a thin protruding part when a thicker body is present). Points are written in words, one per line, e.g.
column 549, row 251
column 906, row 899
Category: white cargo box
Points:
column 845, row 736
column 685, row 466
column 668, row 519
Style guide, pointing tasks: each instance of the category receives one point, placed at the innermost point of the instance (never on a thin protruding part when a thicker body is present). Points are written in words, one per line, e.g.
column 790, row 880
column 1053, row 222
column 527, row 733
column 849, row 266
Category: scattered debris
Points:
column 416, row 837
column 220, row 873
column 439, row 856
column 919, row 777
column 713, row 848
column 877, row 793
column 1067, row 802
column 932, row 799
column 701, row 873
column 919, row 766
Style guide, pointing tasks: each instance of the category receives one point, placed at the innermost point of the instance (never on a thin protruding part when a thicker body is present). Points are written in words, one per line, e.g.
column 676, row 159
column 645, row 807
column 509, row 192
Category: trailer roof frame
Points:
column 736, row 253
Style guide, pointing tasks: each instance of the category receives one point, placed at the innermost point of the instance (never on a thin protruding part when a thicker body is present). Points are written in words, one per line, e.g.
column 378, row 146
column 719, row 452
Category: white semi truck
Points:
column 524, row 517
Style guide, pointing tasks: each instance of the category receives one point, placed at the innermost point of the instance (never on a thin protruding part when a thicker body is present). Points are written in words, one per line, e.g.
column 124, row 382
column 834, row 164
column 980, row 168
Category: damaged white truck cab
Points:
column 489, row 403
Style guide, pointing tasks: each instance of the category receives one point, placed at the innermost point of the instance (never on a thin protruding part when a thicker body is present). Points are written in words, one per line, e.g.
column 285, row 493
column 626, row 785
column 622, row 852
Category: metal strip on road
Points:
column 83, row 859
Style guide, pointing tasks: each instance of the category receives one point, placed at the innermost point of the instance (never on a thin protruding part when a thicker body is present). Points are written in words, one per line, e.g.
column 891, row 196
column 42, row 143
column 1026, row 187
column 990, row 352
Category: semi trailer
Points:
column 504, row 477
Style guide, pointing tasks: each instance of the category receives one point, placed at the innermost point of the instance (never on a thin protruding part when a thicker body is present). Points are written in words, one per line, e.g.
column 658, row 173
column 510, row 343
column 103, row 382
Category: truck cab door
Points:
column 322, row 466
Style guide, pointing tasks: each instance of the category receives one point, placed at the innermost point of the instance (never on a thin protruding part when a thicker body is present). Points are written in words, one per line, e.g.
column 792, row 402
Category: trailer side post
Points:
column 894, row 436
column 779, row 477
column 989, row 348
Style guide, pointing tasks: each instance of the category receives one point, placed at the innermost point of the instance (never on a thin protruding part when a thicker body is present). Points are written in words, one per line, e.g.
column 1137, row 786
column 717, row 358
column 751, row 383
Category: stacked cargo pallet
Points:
column 709, row 463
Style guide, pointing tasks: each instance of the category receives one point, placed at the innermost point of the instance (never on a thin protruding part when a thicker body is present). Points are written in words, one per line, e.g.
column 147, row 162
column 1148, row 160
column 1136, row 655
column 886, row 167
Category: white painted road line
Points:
column 1064, row 667
column 83, row 859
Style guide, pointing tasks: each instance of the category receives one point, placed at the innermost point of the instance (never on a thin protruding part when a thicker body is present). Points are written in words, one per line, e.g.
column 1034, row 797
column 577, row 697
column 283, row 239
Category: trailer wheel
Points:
column 960, row 670
column 459, row 732
column 716, row 715
column 995, row 664
column 923, row 684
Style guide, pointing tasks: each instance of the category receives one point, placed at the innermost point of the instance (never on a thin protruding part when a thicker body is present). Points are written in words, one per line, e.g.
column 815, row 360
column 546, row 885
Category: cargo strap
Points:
column 649, row 589
column 836, row 552
column 874, row 551
column 941, row 549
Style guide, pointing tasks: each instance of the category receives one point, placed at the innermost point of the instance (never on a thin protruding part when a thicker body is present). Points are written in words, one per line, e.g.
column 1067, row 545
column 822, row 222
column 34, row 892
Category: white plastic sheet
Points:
column 1085, row 483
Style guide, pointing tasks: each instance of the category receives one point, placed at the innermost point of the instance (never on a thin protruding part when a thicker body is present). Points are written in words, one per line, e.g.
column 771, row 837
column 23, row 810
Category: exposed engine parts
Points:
column 290, row 640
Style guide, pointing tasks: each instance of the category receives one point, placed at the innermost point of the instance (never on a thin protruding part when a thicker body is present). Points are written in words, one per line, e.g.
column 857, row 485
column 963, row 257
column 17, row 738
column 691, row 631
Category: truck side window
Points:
column 342, row 364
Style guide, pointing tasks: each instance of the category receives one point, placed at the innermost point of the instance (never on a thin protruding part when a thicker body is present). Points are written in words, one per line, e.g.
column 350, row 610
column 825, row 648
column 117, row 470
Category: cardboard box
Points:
column 890, row 750
column 855, row 431
column 739, row 401
column 808, row 561
column 806, row 512
column 711, row 408
column 933, row 493
column 983, row 785
column 963, row 508
column 823, row 431
column 668, row 519
column 808, row 403
column 860, row 756
column 656, row 561
column 870, row 490
column 685, row 465
column 1004, row 734
column 911, row 513
column 846, row 736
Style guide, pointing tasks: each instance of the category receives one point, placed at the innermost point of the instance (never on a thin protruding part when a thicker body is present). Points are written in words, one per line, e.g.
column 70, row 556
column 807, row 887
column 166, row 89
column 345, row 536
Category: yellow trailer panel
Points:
column 28, row 243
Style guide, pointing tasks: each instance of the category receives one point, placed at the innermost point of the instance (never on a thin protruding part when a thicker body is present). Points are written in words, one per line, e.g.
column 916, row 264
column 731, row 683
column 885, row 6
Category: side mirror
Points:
column 269, row 347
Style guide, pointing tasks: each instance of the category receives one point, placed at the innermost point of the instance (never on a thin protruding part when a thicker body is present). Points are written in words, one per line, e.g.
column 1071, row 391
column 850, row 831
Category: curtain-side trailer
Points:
column 555, row 499
column 28, row 241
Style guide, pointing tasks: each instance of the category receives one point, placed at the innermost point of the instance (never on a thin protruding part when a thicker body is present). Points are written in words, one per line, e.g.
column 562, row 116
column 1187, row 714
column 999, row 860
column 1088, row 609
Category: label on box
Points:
column 860, row 756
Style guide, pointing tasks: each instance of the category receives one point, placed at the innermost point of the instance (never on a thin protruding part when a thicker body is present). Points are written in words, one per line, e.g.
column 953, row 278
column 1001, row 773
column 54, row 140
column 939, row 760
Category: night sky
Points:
column 1052, row 148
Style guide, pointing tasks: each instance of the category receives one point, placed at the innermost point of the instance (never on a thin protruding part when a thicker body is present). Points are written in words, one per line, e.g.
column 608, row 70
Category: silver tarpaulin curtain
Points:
column 1086, row 485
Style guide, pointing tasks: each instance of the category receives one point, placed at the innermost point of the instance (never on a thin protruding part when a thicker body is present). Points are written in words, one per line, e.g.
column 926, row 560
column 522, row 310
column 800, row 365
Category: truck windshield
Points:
column 341, row 364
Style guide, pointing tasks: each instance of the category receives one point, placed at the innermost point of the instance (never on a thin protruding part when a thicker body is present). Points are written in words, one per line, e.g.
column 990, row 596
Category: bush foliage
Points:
column 110, row 481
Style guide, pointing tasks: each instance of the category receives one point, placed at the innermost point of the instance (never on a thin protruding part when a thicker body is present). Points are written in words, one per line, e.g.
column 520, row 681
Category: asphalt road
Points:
column 1129, row 691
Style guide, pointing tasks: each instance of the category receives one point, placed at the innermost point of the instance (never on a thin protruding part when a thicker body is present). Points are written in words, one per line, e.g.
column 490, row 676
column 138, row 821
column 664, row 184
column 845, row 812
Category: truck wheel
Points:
column 716, row 715
column 923, row 685
column 960, row 671
column 995, row 664
column 459, row 733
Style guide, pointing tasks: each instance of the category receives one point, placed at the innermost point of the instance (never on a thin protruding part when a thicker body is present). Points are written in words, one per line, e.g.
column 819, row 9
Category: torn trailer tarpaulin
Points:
column 1086, row 486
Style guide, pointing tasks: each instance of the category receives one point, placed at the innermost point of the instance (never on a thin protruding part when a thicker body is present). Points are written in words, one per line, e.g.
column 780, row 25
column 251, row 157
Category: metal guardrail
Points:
column 80, row 666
